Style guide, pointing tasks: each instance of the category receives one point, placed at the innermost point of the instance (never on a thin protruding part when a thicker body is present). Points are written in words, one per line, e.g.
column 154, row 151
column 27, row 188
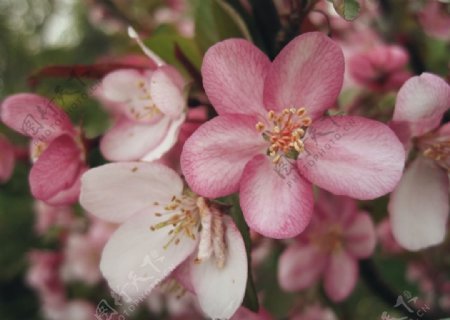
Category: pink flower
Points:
column 7, row 159
column 270, row 141
column 339, row 235
column 419, row 205
column 435, row 20
column 381, row 69
column 149, row 108
column 160, row 230
column 56, row 146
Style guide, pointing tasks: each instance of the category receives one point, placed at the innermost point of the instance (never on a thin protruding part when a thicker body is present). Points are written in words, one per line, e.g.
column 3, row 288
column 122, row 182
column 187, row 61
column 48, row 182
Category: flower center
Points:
column 190, row 215
column 330, row 240
column 143, row 108
column 437, row 149
column 285, row 133
column 184, row 219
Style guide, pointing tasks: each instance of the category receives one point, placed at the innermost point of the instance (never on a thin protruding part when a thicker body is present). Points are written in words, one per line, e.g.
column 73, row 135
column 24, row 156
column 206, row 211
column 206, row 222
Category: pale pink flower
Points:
column 148, row 105
column 315, row 312
column 48, row 216
column 419, row 205
column 56, row 147
column 270, row 141
column 381, row 68
column 7, row 159
column 339, row 235
column 160, row 230
column 435, row 20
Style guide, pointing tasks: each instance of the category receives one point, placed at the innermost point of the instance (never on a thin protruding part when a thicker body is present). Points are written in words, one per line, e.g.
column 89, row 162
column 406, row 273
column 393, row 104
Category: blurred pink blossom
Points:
column 56, row 148
column 43, row 276
column 82, row 252
column 381, row 68
column 48, row 216
column 435, row 20
column 338, row 236
column 148, row 108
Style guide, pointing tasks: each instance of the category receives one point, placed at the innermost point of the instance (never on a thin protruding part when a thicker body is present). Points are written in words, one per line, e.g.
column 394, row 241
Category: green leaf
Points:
column 347, row 9
column 163, row 42
column 250, row 299
column 216, row 20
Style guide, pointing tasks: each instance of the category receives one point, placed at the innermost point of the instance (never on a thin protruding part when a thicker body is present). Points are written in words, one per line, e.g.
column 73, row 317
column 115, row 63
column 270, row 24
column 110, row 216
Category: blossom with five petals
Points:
column 163, row 225
column 270, row 141
column 339, row 235
column 149, row 107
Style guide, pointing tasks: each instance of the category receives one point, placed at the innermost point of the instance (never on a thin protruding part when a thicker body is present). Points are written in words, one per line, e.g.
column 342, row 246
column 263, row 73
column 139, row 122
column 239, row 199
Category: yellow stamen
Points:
column 285, row 136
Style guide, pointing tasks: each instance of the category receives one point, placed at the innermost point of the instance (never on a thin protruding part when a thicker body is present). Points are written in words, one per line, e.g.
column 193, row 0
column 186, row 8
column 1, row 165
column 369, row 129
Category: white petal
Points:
column 128, row 140
column 220, row 291
column 419, row 206
column 116, row 191
column 134, row 260
column 169, row 140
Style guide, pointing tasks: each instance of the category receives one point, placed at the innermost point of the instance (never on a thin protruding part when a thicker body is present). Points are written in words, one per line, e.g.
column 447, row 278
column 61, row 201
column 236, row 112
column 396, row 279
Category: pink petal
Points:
column 275, row 206
column 300, row 267
column 35, row 116
column 422, row 101
column 128, row 140
column 116, row 191
column 122, row 85
column 7, row 159
column 308, row 73
column 342, row 210
column 233, row 77
column 69, row 195
column 220, row 292
column 214, row 157
column 166, row 88
column 360, row 236
column 134, row 260
column 128, row 91
column 419, row 206
column 56, row 169
column 341, row 276
column 352, row 156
